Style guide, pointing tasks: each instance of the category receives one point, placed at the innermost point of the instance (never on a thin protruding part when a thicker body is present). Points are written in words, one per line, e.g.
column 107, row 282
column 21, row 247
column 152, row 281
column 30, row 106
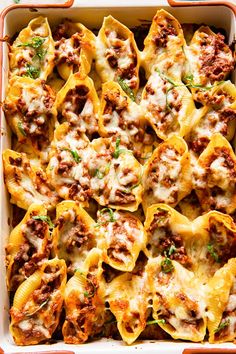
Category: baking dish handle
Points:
column 184, row 3
column 43, row 352
column 65, row 4
column 209, row 351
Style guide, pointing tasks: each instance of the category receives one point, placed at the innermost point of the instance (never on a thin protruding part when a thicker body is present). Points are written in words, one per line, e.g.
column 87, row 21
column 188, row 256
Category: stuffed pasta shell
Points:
column 168, row 105
column 31, row 112
column 117, row 175
column 215, row 176
column 169, row 233
column 32, row 53
column 37, row 304
column 121, row 117
column 73, row 236
column 74, row 48
column 128, row 297
column 68, row 170
column 26, row 183
column 77, row 103
column 121, row 237
column 85, row 301
column 163, row 46
column 214, row 243
column 178, row 299
column 117, row 55
column 167, row 174
column 221, row 304
column 210, row 61
column 218, row 116
column 28, row 245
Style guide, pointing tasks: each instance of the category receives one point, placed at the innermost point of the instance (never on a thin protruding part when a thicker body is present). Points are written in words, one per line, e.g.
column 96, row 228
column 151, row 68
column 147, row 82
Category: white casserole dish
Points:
column 14, row 18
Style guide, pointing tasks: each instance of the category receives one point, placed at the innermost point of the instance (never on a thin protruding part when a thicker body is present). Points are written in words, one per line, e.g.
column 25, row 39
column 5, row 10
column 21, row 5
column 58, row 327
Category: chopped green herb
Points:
column 167, row 265
column 86, row 293
column 213, row 252
column 110, row 212
column 189, row 78
column 117, row 149
column 38, row 308
column 35, row 43
column 222, row 325
column 161, row 321
column 44, row 218
column 111, row 217
column 32, row 72
column 172, row 250
column 16, row 1
column 98, row 174
column 162, row 218
column 21, row 129
column 75, row 155
column 166, row 78
column 126, row 88
column 40, row 53
column 129, row 190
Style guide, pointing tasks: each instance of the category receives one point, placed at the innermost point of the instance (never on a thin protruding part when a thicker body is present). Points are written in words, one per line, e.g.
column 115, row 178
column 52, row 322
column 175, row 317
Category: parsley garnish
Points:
column 21, row 129
column 44, row 218
column 75, row 155
column 167, row 265
column 16, row 1
column 117, row 149
column 32, row 71
column 86, row 293
column 189, row 78
column 213, row 252
column 222, row 325
column 39, row 308
column 98, row 174
column 164, row 77
column 162, row 217
column 171, row 250
column 110, row 212
column 40, row 53
column 161, row 321
column 36, row 43
column 111, row 216
column 126, row 88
